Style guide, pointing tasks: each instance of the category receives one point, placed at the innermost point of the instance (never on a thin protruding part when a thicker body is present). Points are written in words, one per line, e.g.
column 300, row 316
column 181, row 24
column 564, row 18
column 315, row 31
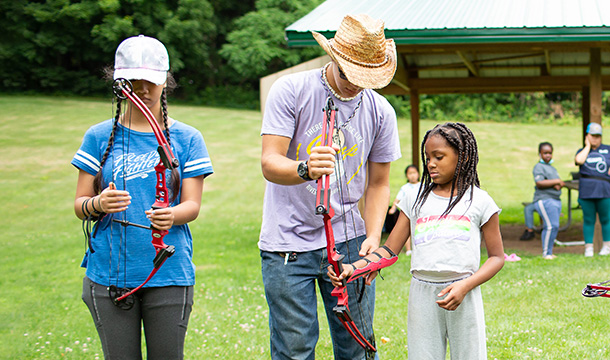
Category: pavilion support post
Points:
column 595, row 84
column 586, row 111
column 414, row 99
column 595, row 102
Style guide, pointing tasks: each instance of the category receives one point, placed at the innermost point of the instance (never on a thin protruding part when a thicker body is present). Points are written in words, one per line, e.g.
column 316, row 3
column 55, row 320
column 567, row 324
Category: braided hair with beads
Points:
column 463, row 142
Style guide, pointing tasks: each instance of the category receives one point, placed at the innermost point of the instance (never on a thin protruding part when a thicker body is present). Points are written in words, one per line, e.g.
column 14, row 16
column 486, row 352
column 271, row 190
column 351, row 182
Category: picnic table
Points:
column 570, row 185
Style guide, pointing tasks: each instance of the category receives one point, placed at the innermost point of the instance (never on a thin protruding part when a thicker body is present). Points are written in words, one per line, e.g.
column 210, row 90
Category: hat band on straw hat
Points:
column 347, row 58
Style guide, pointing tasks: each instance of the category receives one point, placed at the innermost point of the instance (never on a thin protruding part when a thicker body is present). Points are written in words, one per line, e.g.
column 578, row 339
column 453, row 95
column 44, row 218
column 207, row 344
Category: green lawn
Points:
column 533, row 307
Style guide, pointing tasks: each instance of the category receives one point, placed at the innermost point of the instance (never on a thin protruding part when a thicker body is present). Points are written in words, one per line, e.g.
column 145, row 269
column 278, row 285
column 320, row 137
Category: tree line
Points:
column 218, row 48
column 218, row 51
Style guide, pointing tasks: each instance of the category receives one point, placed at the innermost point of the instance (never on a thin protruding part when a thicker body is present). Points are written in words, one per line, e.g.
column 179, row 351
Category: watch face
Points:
column 302, row 170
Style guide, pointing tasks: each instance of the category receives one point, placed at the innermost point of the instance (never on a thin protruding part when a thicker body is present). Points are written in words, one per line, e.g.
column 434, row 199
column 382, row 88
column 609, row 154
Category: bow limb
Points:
column 123, row 89
column 323, row 207
column 372, row 267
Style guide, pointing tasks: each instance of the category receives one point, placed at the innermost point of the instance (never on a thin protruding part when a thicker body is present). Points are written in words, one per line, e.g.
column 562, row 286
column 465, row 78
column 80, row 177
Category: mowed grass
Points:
column 533, row 307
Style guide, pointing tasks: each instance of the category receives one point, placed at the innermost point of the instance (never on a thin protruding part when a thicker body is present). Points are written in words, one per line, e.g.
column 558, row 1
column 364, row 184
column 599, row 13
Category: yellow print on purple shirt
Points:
column 344, row 153
column 448, row 227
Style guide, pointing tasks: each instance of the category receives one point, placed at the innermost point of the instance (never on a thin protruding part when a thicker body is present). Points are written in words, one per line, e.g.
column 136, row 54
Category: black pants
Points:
column 163, row 311
column 390, row 220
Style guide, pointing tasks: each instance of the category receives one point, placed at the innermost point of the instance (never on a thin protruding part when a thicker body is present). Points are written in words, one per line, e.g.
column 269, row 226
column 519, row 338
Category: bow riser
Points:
column 161, row 193
column 334, row 258
column 323, row 191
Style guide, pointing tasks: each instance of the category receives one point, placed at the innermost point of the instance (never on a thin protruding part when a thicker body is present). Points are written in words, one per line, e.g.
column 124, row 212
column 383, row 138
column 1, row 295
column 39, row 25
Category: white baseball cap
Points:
column 141, row 58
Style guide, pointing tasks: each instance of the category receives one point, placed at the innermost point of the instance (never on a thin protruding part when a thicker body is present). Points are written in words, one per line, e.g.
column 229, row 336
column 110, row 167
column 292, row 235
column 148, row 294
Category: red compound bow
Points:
column 324, row 208
column 124, row 90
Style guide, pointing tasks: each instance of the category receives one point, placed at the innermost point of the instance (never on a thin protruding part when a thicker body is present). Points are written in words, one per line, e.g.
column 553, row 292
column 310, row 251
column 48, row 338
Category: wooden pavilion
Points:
column 478, row 46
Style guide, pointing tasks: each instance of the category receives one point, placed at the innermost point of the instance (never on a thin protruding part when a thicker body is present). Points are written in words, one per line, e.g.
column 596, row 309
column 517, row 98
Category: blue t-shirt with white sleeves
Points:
column 123, row 256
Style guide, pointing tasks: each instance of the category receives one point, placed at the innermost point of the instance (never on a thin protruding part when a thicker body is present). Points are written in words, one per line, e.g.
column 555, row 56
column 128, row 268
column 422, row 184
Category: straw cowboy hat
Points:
column 362, row 51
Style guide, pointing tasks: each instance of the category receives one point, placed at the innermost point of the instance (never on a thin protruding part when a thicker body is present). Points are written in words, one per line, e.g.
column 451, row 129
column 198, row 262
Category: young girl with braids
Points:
column 446, row 220
column 117, row 182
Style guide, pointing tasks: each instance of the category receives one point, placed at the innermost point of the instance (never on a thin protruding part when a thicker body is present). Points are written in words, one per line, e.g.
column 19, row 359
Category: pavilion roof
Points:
column 465, row 21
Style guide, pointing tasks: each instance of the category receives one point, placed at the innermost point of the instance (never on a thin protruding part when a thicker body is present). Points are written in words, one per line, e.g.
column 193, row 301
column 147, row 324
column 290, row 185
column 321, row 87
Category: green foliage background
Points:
column 218, row 51
column 218, row 48
column 537, row 107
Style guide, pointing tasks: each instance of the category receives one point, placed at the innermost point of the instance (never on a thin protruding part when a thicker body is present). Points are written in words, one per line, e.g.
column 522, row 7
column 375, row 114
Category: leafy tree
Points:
column 63, row 45
column 44, row 46
column 257, row 46
column 185, row 27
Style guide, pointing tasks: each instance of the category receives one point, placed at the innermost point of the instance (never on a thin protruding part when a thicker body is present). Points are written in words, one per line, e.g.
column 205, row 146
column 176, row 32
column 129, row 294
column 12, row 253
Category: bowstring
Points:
column 111, row 216
column 123, row 230
column 340, row 157
column 127, row 114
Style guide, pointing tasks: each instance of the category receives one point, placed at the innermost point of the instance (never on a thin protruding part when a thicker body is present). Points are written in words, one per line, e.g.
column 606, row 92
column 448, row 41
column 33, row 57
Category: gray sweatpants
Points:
column 430, row 326
column 163, row 311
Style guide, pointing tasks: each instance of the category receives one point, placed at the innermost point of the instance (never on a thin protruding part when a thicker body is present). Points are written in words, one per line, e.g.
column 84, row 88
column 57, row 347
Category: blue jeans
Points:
column 528, row 211
column 290, row 289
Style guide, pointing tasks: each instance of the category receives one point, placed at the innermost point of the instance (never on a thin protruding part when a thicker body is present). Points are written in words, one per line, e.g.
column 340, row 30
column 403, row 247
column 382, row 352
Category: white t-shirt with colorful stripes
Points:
column 447, row 248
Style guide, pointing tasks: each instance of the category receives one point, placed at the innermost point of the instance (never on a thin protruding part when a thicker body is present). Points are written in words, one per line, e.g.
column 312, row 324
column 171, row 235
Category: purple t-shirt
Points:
column 294, row 109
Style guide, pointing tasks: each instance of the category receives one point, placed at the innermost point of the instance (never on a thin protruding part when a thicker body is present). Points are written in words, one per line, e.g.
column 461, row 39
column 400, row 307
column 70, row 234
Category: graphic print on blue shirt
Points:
column 596, row 162
column 129, row 166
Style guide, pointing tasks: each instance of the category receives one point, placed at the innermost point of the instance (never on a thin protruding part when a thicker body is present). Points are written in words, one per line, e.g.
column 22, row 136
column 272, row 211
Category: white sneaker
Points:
column 589, row 250
column 605, row 249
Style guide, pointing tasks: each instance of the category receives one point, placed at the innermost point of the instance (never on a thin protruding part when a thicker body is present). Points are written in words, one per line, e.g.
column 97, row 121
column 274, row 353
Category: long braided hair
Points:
column 462, row 140
column 174, row 185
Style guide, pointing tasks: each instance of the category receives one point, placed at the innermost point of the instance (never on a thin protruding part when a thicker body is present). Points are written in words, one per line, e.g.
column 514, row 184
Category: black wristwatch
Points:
column 303, row 171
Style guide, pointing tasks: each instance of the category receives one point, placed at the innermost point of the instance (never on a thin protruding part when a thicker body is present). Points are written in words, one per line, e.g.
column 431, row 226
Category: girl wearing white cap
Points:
column 116, row 187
